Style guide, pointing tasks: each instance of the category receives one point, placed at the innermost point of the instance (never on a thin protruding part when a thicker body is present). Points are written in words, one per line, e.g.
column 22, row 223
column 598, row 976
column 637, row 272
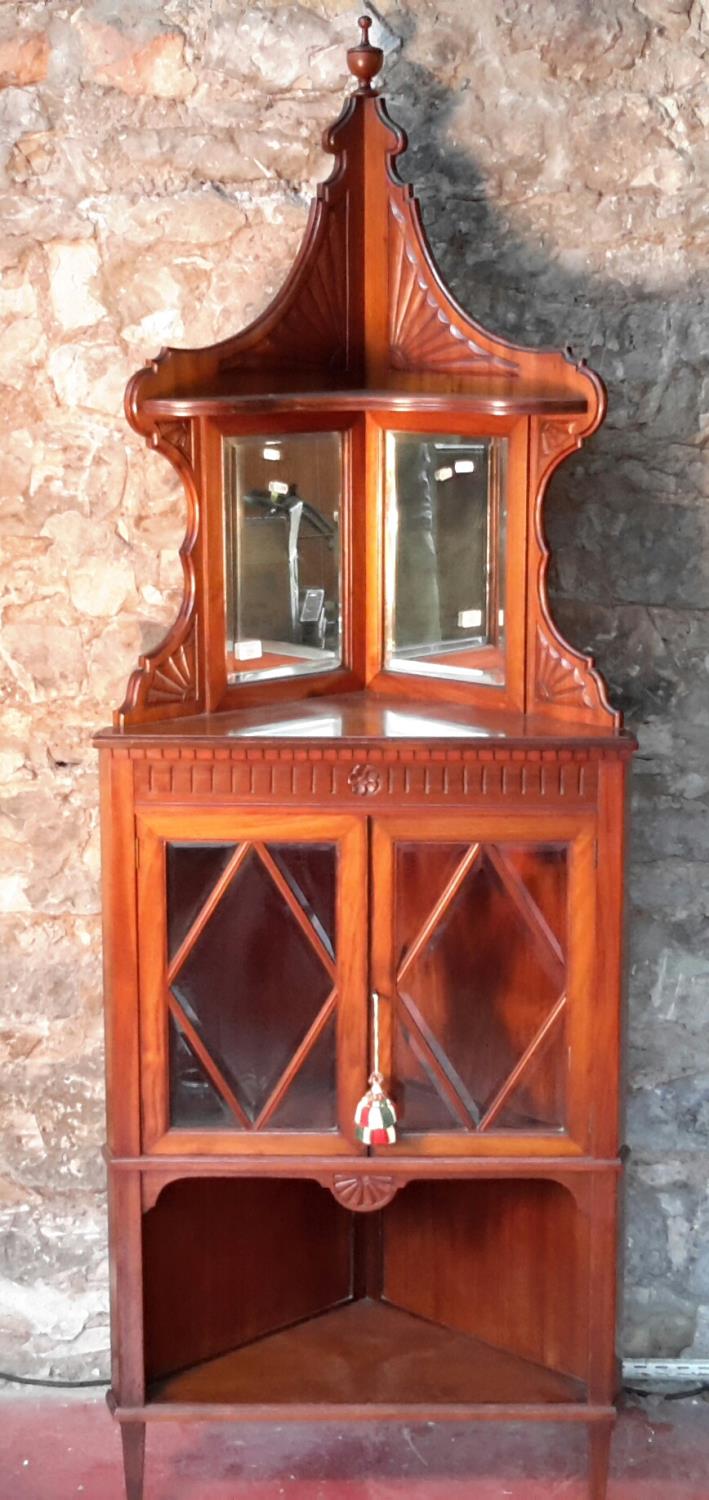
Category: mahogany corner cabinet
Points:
column 362, row 821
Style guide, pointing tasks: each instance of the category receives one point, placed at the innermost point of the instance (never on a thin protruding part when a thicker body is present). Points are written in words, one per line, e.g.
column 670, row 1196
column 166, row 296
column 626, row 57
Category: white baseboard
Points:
column 666, row 1371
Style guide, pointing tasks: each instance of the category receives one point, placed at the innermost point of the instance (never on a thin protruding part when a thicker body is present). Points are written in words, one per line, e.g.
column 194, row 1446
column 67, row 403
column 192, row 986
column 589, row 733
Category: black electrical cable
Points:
column 686, row 1394
column 62, row 1385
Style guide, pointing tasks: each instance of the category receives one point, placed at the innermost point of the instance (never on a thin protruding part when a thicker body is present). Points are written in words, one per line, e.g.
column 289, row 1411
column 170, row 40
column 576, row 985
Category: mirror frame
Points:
column 343, row 678
column 424, row 660
column 449, row 422
column 363, row 429
column 252, row 670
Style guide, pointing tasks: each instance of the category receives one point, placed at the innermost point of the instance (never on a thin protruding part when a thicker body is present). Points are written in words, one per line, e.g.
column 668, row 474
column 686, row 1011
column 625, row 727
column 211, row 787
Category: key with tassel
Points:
column 375, row 1115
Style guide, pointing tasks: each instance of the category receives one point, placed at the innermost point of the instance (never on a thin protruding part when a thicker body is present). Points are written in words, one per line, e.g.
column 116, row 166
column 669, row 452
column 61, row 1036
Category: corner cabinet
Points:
column 362, row 820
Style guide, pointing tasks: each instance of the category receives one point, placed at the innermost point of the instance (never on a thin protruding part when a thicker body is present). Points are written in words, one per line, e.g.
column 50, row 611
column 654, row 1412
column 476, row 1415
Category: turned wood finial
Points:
column 364, row 60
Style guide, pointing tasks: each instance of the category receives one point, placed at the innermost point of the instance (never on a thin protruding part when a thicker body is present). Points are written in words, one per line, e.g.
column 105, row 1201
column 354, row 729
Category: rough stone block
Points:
column 23, row 58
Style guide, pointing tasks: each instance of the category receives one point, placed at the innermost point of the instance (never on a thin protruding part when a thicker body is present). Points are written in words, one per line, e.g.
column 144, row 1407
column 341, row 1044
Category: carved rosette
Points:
column 317, row 777
column 364, row 781
column 363, row 1194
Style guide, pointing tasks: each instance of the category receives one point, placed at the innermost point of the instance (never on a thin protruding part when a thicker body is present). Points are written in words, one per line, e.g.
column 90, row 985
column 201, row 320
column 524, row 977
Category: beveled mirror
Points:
column 445, row 533
column 282, row 505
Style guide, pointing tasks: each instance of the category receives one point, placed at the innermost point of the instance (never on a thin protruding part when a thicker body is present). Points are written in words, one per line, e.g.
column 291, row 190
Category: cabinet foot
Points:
column 133, row 1440
column 599, row 1452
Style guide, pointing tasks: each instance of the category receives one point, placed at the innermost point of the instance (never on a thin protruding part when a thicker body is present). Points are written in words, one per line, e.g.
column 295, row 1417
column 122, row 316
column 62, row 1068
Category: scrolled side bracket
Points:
column 561, row 681
column 166, row 681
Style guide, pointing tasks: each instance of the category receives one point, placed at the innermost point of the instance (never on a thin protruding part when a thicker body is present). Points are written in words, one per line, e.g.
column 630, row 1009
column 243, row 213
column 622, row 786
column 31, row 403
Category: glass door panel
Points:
column 478, row 961
column 251, row 995
column 257, row 984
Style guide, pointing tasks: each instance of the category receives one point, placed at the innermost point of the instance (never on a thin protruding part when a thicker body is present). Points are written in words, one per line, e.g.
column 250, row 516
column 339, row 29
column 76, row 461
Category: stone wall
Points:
column 157, row 162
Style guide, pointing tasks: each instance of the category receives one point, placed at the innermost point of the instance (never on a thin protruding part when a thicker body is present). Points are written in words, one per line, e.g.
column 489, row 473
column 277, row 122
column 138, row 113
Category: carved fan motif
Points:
column 363, row 308
column 421, row 334
column 173, row 680
column 364, row 1194
column 313, row 328
column 559, row 678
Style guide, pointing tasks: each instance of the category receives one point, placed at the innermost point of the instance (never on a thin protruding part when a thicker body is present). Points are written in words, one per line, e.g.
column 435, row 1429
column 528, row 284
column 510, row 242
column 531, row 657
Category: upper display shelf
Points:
column 524, row 400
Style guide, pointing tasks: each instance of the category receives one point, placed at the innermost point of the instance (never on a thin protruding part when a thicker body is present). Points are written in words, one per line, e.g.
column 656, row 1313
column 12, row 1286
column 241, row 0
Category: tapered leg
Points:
column 133, row 1439
column 599, row 1452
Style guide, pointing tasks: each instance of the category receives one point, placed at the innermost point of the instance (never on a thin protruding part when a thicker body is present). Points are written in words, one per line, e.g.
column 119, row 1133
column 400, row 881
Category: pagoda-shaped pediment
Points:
column 364, row 306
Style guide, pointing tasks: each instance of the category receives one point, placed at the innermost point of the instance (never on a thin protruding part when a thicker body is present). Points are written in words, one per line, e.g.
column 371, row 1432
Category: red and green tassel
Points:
column 375, row 1115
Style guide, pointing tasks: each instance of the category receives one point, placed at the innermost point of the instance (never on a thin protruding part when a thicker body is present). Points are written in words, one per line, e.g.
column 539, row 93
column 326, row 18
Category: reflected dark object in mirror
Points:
column 276, row 530
column 282, row 507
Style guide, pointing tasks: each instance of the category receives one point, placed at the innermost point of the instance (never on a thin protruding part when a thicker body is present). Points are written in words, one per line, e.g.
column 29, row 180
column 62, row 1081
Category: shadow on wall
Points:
column 603, row 253
column 629, row 536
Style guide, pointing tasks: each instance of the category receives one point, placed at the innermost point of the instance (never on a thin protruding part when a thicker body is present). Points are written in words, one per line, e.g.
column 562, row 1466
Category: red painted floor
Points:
column 56, row 1447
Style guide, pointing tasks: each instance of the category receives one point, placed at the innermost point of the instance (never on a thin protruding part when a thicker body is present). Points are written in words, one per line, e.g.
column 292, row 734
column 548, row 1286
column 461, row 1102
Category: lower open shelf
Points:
column 269, row 1296
column 368, row 1352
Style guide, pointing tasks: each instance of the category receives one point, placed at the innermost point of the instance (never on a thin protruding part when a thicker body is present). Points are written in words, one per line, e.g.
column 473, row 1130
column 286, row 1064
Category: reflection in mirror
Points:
column 445, row 521
column 282, row 499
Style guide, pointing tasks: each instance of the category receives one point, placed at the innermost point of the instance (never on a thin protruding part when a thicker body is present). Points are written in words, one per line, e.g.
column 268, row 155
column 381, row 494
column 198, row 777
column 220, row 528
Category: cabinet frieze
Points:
column 367, row 775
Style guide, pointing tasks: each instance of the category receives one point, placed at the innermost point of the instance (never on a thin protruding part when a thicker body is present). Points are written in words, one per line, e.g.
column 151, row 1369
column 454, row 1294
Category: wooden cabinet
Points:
column 363, row 810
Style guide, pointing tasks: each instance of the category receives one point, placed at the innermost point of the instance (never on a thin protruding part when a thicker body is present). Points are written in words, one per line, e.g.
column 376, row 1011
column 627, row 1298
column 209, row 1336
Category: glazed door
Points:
column 482, row 956
column 253, row 970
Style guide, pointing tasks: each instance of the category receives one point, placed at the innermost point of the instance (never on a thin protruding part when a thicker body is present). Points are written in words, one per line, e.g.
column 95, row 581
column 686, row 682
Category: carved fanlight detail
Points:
column 363, row 1194
column 173, row 678
column 559, row 677
column 422, row 335
column 311, row 327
